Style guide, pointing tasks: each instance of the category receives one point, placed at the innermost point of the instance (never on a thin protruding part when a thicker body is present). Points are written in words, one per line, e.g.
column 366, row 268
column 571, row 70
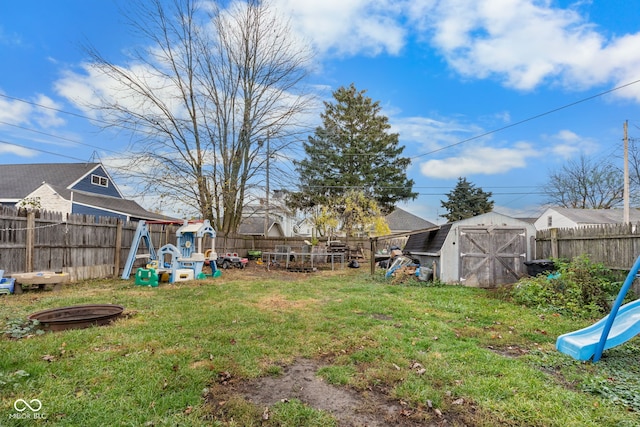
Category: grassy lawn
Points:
column 449, row 351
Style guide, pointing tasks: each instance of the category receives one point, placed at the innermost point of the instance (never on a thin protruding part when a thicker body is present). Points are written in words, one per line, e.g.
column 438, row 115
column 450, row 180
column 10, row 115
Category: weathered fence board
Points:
column 90, row 247
column 615, row 246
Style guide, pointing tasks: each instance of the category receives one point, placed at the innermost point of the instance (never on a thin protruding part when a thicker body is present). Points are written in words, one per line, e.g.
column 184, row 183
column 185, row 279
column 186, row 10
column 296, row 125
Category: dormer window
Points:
column 99, row 180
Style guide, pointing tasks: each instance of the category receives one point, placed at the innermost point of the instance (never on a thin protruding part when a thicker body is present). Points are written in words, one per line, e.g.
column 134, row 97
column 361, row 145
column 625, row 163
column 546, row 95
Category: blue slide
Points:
column 581, row 345
column 622, row 324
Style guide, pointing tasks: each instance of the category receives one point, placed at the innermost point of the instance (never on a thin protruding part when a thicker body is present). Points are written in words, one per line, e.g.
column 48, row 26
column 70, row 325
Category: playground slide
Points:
column 581, row 344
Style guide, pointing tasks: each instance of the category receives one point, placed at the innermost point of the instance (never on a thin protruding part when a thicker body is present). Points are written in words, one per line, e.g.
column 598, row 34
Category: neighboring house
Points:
column 487, row 250
column 303, row 228
column 254, row 226
column 69, row 188
column 558, row 217
column 401, row 221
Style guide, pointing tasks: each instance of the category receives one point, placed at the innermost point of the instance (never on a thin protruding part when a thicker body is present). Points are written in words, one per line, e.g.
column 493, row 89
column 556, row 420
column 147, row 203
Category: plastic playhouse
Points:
column 173, row 263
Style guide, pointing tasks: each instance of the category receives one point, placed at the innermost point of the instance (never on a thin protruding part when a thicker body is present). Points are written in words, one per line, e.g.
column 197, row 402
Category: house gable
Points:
column 96, row 181
column 47, row 198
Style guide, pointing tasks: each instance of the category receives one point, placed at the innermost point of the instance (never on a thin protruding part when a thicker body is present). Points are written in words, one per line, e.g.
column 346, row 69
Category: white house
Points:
column 558, row 217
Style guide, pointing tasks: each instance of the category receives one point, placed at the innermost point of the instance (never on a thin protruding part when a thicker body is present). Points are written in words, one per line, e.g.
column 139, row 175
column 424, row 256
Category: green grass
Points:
column 153, row 366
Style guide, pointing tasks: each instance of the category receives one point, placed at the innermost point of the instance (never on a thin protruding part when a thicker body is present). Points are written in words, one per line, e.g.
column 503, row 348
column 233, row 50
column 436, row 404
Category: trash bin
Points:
column 539, row 266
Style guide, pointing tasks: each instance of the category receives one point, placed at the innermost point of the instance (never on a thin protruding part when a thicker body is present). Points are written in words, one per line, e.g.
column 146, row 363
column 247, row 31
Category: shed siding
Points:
column 450, row 252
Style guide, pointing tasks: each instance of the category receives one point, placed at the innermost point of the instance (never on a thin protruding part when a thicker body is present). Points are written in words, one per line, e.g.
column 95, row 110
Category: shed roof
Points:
column 429, row 241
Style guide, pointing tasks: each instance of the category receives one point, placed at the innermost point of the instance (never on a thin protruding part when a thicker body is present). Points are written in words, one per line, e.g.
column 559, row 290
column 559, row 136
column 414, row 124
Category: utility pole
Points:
column 266, row 215
column 626, row 173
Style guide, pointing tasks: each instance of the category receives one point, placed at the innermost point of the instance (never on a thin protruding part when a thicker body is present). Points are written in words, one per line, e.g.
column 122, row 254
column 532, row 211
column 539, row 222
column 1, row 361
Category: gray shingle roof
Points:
column 598, row 216
column 430, row 241
column 17, row 181
column 254, row 225
column 123, row 206
column 401, row 220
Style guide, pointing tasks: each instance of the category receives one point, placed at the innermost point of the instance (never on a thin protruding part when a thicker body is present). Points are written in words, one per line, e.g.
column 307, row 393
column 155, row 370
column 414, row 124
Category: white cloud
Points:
column 480, row 161
column 42, row 112
column 567, row 145
column 348, row 27
column 14, row 112
column 524, row 43
column 432, row 134
column 17, row 150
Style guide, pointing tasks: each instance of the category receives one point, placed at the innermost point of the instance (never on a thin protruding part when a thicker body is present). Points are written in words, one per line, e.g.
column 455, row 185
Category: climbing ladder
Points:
column 142, row 232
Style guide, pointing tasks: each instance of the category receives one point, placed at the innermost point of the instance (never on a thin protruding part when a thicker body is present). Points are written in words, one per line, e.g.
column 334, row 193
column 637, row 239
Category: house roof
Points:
column 401, row 220
column 254, row 226
column 596, row 216
column 121, row 206
column 18, row 181
column 429, row 241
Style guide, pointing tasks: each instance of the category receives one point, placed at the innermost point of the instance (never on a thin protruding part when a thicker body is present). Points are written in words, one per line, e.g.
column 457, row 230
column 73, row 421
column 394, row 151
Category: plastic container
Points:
column 7, row 285
column 539, row 266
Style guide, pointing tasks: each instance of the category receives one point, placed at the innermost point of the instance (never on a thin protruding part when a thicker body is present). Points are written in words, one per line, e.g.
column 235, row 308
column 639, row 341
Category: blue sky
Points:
column 471, row 86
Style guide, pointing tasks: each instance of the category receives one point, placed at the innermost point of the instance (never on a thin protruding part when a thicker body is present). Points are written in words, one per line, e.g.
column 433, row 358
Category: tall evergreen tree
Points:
column 353, row 150
column 465, row 201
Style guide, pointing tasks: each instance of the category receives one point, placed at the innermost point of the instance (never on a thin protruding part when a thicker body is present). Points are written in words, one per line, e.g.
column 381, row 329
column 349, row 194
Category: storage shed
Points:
column 485, row 251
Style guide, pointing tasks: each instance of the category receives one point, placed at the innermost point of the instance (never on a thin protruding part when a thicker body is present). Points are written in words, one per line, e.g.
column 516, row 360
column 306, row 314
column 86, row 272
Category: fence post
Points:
column 554, row 243
column 30, row 240
column 116, row 255
column 374, row 248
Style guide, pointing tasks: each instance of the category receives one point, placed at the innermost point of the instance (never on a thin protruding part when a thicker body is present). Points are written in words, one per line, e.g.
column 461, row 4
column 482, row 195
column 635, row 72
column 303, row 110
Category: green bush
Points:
column 579, row 288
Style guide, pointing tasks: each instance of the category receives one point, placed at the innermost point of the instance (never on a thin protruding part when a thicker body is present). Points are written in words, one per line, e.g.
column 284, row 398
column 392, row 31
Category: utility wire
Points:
column 57, row 136
column 42, row 151
column 537, row 116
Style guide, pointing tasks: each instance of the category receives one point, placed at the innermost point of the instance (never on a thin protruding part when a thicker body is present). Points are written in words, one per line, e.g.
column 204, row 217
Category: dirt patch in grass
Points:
column 280, row 303
column 350, row 408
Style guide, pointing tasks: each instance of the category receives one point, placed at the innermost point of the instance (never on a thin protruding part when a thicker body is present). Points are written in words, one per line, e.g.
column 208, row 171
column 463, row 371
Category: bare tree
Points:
column 585, row 184
column 634, row 170
column 202, row 96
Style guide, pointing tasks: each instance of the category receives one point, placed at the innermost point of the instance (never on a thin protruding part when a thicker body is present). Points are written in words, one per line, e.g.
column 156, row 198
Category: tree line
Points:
column 215, row 98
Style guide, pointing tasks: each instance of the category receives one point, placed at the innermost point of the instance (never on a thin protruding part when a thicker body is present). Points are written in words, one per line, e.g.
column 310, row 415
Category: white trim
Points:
column 127, row 215
column 99, row 179
column 74, row 183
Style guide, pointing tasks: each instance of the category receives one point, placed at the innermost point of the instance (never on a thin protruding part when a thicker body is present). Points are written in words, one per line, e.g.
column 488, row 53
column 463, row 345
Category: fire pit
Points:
column 77, row 316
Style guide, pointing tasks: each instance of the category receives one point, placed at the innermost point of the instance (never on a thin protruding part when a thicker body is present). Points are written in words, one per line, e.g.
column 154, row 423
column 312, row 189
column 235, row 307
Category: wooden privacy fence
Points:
column 89, row 247
column 615, row 246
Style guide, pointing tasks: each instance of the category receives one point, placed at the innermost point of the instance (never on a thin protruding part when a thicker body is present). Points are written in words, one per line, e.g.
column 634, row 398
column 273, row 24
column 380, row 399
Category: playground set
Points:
column 173, row 263
column 619, row 326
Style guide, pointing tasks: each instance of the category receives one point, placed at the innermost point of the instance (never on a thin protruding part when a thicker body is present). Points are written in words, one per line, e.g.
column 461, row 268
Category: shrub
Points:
column 579, row 288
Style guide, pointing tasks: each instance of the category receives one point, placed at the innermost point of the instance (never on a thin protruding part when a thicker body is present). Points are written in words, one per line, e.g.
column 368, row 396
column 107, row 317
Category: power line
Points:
column 56, row 136
column 537, row 116
column 42, row 151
